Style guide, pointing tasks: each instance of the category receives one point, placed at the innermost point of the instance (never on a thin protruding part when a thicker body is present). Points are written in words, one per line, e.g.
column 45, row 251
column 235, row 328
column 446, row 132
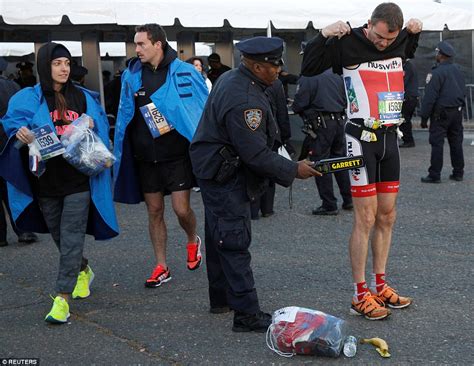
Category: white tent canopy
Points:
column 283, row 14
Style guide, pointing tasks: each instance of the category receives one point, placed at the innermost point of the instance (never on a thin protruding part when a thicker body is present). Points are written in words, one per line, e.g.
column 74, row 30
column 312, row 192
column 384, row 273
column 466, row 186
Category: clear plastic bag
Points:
column 36, row 164
column 84, row 149
column 301, row 331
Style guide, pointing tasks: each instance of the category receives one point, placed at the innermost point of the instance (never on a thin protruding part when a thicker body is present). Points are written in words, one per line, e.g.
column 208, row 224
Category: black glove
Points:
column 424, row 122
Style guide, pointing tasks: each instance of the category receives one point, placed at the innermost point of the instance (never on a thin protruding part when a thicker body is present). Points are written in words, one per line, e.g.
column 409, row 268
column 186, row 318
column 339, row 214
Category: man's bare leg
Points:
column 382, row 233
column 156, row 225
column 182, row 208
column 365, row 209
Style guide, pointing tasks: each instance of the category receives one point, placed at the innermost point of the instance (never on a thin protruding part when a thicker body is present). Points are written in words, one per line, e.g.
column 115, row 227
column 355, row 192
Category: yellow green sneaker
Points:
column 59, row 312
column 82, row 290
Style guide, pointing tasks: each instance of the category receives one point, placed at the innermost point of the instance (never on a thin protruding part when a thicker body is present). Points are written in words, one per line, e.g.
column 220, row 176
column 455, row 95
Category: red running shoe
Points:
column 194, row 254
column 159, row 276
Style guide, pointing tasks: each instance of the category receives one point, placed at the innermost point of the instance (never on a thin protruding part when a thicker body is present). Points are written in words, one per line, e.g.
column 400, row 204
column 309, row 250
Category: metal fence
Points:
column 468, row 101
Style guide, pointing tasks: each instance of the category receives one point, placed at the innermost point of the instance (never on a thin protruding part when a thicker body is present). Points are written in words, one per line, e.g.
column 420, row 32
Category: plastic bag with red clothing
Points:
column 301, row 331
column 84, row 149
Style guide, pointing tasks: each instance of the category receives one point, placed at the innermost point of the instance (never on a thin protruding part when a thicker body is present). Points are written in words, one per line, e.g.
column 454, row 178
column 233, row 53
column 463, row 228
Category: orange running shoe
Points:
column 391, row 298
column 159, row 276
column 194, row 254
column 370, row 307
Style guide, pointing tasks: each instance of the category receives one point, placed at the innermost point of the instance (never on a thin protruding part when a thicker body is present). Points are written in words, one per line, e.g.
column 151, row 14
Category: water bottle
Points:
column 350, row 346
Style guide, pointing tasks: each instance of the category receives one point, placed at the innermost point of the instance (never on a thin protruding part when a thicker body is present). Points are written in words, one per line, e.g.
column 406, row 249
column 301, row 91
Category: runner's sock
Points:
column 377, row 283
column 360, row 289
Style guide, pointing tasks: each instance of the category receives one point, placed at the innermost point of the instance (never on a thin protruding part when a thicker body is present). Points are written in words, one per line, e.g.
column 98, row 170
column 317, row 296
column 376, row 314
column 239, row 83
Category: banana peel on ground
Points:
column 379, row 343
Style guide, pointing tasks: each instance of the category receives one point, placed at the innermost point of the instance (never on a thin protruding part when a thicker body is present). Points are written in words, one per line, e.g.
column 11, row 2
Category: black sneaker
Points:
column 457, row 178
column 324, row 212
column 3, row 243
column 251, row 322
column 27, row 238
column 430, row 179
column 347, row 206
column 407, row 144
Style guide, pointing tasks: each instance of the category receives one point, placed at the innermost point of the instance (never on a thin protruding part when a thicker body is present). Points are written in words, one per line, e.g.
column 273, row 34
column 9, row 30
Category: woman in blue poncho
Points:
column 71, row 203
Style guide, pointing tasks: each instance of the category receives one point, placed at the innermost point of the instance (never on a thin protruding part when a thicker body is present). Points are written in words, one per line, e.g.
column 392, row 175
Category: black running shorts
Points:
column 381, row 173
column 166, row 177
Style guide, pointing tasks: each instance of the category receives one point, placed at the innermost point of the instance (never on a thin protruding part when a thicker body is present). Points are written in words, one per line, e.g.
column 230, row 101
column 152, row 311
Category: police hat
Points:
column 446, row 49
column 263, row 49
column 24, row 65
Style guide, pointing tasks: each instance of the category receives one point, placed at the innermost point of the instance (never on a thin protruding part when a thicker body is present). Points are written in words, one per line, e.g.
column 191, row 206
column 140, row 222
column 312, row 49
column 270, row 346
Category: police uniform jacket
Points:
column 323, row 93
column 410, row 80
column 238, row 115
column 445, row 89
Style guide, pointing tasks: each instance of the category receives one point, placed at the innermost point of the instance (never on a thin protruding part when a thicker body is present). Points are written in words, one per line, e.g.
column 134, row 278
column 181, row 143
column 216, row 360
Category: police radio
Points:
column 334, row 165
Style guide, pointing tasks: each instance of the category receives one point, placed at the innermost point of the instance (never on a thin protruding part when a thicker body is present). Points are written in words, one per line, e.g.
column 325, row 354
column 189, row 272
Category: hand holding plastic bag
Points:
column 37, row 166
column 84, row 148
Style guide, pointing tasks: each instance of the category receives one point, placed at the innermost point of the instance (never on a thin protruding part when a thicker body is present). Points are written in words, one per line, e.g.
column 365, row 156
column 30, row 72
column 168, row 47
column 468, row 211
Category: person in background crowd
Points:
column 321, row 101
column 410, row 80
column 442, row 103
column 7, row 89
column 199, row 65
column 152, row 163
column 71, row 204
column 78, row 74
column 216, row 67
column 25, row 74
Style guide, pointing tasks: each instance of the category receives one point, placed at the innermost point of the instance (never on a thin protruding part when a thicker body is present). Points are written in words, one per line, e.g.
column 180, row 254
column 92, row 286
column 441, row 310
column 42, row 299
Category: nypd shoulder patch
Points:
column 253, row 118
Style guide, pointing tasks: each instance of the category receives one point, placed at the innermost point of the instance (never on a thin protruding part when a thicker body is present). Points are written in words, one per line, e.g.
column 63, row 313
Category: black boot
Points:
column 251, row 322
column 430, row 179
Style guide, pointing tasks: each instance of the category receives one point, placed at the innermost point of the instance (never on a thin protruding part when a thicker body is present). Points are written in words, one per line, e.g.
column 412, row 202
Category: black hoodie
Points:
column 60, row 178
column 171, row 146
column 355, row 48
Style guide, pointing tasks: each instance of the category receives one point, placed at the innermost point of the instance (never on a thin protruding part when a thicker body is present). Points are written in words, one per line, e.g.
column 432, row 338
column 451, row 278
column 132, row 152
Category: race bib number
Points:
column 390, row 107
column 155, row 121
column 47, row 142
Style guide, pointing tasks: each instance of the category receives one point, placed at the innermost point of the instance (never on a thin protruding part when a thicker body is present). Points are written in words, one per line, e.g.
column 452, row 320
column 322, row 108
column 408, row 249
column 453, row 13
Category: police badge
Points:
column 253, row 118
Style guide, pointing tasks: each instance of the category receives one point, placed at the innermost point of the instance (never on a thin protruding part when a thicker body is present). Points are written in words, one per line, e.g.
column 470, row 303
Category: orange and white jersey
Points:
column 373, row 85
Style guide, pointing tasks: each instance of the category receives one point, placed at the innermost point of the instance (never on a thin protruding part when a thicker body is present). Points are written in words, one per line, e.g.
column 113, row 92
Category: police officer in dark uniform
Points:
column 320, row 100
column 232, row 160
column 410, row 81
column 443, row 102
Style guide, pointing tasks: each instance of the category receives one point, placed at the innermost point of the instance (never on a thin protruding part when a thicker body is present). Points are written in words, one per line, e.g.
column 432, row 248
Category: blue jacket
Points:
column 180, row 99
column 29, row 108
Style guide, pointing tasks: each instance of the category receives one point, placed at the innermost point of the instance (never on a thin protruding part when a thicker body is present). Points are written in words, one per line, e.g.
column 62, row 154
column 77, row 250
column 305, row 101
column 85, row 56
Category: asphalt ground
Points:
column 298, row 260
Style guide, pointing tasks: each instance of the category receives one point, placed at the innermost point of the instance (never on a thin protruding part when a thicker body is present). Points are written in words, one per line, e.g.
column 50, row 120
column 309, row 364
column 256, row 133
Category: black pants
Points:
column 227, row 239
column 408, row 108
column 330, row 143
column 265, row 202
column 3, row 221
column 448, row 123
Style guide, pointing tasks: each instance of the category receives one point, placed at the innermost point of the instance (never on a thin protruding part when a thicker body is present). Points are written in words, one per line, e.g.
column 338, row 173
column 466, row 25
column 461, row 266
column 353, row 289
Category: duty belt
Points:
column 332, row 115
